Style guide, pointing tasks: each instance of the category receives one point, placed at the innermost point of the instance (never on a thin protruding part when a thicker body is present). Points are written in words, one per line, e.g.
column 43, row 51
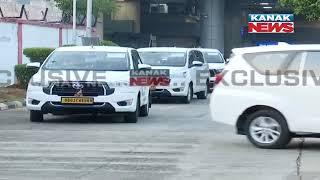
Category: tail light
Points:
column 219, row 78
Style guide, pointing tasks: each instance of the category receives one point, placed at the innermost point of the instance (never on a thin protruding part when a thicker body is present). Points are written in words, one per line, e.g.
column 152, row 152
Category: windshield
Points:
column 88, row 60
column 176, row 59
column 213, row 57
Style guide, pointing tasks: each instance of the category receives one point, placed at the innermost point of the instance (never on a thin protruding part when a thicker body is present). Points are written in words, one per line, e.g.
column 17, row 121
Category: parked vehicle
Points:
column 189, row 72
column 216, row 63
column 84, row 80
column 269, row 111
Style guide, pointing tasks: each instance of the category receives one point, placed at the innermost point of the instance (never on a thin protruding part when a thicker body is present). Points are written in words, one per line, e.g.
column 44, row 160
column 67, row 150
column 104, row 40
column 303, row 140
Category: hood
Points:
column 171, row 69
column 216, row 65
column 46, row 76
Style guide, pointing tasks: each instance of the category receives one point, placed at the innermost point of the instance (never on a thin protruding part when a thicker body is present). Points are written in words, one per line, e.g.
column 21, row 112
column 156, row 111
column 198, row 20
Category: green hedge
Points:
column 37, row 54
column 24, row 74
column 107, row 43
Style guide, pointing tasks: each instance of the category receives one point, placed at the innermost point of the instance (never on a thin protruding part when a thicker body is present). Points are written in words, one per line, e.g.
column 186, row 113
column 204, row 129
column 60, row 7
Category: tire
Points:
column 144, row 110
column 209, row 89
column 132, row 117
column 36, row 116
column 276, row 130
column 203, row 94
column 187, row 99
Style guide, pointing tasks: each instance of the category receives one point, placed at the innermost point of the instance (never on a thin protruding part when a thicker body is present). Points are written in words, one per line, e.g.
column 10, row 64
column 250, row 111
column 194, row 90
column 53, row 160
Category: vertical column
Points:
column 212, row 25
column 19, row 34
column 60, row 37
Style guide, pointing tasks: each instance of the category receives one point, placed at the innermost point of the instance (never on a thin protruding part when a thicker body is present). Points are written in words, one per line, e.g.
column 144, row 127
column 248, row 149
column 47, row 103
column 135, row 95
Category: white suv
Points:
column 189, row 72
column 270, row 94
column 80, row 80
column 216, row 63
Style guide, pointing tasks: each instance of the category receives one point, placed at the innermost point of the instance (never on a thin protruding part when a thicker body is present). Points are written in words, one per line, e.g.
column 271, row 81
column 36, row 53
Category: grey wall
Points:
column 212, row 24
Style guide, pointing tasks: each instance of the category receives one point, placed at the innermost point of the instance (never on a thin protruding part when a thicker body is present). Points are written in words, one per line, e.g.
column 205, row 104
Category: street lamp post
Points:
column 74, row 23
column 89, row 18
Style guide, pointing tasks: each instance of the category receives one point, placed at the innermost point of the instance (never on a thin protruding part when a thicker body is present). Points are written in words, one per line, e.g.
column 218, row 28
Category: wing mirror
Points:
column 197, row 64
column 144, row 67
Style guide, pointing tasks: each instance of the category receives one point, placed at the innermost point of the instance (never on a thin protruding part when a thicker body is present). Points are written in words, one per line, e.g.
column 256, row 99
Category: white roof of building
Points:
column 284, row 47
column 163, row 49
column 94, row 48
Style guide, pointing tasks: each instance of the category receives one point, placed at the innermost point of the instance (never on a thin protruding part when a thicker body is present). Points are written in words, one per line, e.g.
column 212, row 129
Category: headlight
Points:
column 179, row 75
column 218, row 71
column 38, row 83
column 117, row 84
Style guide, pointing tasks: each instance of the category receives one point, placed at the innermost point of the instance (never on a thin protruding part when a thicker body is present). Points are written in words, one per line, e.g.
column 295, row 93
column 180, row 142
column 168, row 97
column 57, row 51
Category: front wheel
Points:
column 187, row 99
column 144, row 110
column 132, row 117
column 36, row 116
column 268, row 129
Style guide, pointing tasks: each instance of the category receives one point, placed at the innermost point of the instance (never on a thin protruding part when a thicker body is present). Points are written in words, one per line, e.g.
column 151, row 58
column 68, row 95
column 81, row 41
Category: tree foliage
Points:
column 98, row 6
column 308, row 8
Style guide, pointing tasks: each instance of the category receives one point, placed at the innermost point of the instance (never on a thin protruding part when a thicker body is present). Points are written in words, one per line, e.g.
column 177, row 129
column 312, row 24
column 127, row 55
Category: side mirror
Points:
column 34, row 65
column 197, row 64
column 144, row 67
column 227, row 61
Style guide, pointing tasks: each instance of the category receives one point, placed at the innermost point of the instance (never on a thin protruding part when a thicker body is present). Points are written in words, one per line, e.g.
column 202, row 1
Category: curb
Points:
column 12, row 105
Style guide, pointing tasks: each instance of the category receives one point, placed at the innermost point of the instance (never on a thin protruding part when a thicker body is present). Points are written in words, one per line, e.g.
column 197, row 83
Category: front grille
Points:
column 61, row 104
column 158, row 90
column 88, row 89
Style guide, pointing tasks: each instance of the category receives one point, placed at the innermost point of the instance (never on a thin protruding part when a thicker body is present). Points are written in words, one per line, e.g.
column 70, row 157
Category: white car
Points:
column 81, row 80
column 216, row 63
column 189, row 72
column 273, row 92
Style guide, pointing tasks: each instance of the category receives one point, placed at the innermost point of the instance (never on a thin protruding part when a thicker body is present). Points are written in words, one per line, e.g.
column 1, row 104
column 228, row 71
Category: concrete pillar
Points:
column 99, row 27
column 129, row 10
column 212, row 24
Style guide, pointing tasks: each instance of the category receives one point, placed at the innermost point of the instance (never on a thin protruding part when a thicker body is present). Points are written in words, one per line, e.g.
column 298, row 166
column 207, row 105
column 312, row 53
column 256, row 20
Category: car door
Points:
column 193, row 70
column 309, row 96
column 196, row 70
column 144, row 90
column 202, row 72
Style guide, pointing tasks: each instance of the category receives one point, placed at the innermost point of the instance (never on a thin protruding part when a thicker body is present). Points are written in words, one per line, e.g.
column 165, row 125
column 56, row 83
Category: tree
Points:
column 308, row 8
column 99, row 6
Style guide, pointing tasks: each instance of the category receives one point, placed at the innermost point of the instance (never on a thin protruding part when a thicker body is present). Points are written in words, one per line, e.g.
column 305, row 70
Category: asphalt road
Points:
column 176, row 141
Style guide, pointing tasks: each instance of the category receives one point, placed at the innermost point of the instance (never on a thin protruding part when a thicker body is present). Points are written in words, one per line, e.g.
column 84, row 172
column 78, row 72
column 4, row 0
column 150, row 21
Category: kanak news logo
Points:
column 271, row 23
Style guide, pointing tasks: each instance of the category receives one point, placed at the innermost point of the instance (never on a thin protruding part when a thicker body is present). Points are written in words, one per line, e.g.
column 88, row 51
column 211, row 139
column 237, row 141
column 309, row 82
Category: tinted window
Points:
column 176, row 59
column 313, row 63
column 192, row 57
column 270, row 62
column 88, row 60
column 295, row 64
column 199, row 56
column 213, row 57
column 135, row 59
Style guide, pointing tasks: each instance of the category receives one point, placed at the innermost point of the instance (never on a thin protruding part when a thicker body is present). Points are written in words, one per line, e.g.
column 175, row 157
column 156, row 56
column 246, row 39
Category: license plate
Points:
column 80, row 100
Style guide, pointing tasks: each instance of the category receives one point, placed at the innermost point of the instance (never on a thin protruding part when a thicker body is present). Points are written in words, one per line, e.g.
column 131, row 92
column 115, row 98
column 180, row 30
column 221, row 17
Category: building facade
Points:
column 219, row 24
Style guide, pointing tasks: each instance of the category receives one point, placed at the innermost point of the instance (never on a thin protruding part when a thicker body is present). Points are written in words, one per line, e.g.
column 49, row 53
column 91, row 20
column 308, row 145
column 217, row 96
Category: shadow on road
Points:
column 84, row 119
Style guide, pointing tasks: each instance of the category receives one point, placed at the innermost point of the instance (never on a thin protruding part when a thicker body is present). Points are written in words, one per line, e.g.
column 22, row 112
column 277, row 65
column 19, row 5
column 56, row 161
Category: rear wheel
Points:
column 268, row 129
column 36, row 116
column 203, row 94
column 132, row 117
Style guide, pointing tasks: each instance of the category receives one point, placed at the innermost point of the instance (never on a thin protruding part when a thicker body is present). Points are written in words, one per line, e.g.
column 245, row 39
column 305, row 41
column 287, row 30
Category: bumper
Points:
column 170, row 91
column 102, row 104
column 212, row 82
column 52, row 108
